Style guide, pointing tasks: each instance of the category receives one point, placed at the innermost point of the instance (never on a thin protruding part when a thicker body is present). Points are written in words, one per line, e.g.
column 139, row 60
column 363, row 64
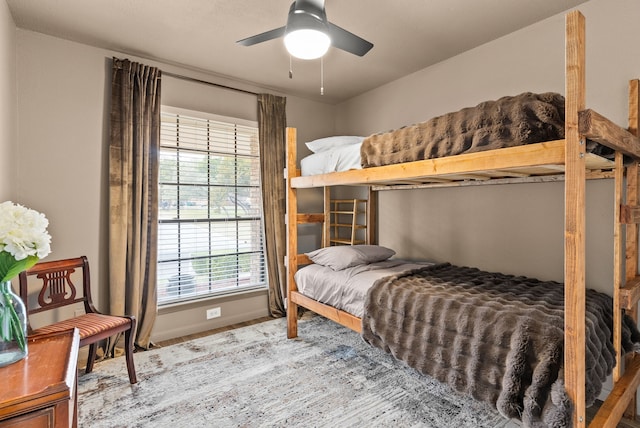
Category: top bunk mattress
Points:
column 507, row 122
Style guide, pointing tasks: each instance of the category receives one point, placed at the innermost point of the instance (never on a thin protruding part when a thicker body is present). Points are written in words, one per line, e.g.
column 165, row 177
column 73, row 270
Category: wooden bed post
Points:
column 292, row 233
column 574, row 223
column 633, row 198
column 372, row 219
column 326, row 225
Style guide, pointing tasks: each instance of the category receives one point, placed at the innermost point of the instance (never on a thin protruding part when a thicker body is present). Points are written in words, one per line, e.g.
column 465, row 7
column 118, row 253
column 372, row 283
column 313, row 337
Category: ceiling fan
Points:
column 308, row 34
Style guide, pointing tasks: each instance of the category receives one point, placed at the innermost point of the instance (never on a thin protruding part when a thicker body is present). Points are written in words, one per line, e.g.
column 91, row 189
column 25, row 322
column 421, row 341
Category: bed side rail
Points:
column 596, row 127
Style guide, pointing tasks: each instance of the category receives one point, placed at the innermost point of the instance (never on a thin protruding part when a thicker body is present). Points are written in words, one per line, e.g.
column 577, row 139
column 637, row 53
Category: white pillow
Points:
column 341, row 159
column 344, row 256
column 324, row 144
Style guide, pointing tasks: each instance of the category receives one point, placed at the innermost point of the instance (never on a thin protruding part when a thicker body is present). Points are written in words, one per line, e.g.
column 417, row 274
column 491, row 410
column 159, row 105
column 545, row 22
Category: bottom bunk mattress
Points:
column 496, row 337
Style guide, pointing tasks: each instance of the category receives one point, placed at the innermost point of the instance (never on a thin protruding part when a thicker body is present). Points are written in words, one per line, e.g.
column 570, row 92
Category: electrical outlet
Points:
column 213, row 313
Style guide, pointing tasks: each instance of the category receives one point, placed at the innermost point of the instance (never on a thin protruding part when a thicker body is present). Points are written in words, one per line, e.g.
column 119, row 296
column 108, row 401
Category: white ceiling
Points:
column 408, row 35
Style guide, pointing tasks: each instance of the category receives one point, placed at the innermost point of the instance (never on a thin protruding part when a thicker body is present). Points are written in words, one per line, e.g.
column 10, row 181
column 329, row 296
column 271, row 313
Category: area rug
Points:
column 255, row 377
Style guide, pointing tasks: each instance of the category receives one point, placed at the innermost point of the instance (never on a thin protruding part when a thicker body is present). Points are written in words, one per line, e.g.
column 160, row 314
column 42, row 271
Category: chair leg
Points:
column 128, row 343
column 91, row 358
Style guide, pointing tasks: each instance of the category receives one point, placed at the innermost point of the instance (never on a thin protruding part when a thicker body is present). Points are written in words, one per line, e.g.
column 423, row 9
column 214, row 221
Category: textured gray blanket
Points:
column 496, row 337
column 509, row 121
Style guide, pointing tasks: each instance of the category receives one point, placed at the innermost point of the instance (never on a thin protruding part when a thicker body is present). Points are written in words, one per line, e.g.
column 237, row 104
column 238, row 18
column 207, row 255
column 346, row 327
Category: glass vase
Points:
column 13, row 326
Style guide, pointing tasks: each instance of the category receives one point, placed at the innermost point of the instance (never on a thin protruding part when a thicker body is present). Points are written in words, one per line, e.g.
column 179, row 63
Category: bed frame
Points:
column 550, row 161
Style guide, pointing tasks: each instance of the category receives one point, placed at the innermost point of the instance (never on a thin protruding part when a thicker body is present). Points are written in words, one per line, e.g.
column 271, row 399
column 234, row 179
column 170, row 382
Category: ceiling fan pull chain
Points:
column 290, row 68
column 321, row 75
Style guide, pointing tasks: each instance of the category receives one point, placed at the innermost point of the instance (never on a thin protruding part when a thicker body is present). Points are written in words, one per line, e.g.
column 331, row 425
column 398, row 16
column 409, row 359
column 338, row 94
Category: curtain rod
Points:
column 178, row 76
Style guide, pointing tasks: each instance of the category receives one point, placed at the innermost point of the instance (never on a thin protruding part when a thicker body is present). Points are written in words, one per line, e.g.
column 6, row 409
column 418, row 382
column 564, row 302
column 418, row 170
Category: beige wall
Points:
column 63, row 103
column 515, row 229
column 7, row 104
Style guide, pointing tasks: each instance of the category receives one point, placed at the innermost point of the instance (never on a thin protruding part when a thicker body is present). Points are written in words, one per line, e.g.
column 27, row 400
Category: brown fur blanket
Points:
column 496, row 337
column 509, row 121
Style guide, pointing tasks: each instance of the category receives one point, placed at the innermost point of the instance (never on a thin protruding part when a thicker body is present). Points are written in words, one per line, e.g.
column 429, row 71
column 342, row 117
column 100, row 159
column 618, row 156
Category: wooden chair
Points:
column 57, row 290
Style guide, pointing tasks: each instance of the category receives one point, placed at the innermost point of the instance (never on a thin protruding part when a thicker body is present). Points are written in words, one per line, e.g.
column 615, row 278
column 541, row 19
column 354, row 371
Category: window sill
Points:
column 207, row 300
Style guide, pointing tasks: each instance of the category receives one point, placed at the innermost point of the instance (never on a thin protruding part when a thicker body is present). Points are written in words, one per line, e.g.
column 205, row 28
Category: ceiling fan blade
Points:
column 343, row 39
column 262, row 37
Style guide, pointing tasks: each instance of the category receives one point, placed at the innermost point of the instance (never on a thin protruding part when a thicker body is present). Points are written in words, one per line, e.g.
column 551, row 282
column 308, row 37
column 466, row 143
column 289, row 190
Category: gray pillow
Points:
column 344, row 256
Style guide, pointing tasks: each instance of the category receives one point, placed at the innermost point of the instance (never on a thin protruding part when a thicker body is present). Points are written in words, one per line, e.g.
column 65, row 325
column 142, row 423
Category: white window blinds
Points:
column 210, row 231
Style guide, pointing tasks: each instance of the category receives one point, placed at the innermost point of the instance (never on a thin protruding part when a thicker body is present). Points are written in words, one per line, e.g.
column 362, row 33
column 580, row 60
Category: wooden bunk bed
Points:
column 549, row 161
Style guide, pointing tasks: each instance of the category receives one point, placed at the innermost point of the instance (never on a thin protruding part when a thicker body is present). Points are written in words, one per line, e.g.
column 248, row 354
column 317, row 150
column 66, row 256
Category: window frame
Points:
column 262, row 265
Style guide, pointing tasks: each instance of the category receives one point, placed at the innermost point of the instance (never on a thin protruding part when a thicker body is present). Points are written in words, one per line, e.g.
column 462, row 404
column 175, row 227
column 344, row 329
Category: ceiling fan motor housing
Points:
column 306, row 15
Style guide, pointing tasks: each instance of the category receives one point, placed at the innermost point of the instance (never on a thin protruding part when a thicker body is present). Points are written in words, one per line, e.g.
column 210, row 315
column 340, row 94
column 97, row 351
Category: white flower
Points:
column 23, row 241
column 23, row 232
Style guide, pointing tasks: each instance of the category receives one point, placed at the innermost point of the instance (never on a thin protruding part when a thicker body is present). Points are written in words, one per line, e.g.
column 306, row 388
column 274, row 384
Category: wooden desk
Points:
column 40, row 390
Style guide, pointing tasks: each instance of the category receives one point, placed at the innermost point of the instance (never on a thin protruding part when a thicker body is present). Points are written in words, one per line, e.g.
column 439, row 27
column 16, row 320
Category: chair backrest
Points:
column 58, row 287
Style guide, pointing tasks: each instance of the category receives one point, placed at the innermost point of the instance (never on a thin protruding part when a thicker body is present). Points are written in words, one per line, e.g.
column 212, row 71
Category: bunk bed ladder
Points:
column 353, row 210
column 626, row 293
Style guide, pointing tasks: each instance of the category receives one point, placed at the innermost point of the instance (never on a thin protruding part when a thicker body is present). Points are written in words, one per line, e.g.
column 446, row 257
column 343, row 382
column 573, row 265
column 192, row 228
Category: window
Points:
column 210, row 231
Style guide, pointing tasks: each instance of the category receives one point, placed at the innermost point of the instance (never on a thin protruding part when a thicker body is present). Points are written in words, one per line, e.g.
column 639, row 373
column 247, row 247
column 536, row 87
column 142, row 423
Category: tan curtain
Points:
column 272, row 123
column 133, row 193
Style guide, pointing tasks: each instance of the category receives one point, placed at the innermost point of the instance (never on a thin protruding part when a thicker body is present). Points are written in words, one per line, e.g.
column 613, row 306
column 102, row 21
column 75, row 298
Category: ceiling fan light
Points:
column 307, row 43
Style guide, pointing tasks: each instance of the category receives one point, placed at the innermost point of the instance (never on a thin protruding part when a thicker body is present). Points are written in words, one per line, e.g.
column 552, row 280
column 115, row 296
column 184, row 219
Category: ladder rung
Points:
column 629, row 214
column 343, row 212
column 357, row 226
column 345, row 241
column 630, row 293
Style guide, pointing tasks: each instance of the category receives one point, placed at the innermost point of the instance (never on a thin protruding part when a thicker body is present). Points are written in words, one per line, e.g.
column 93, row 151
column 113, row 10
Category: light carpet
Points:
column 255, row 377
